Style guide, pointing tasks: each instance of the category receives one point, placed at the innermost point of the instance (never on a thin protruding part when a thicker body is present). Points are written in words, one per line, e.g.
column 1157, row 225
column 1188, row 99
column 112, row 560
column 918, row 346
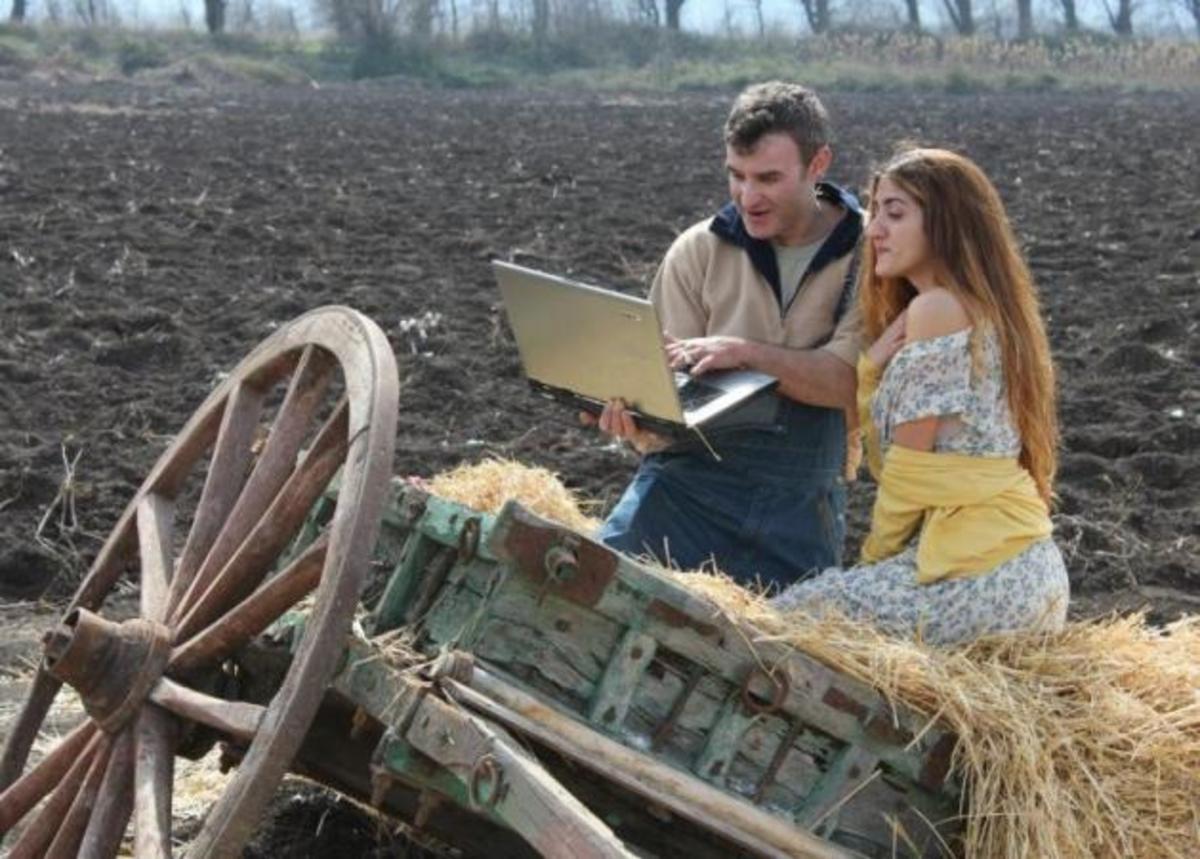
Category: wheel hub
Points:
column 113, row 666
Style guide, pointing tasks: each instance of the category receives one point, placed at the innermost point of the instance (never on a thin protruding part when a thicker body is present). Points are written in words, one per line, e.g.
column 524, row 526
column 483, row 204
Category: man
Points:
column 765, row 284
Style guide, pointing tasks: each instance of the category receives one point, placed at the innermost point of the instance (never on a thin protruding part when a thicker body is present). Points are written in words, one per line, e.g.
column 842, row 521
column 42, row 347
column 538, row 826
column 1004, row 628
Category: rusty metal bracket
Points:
column 468, row 539
column 779, row 686
column 561, row 563
column 555, row 559
column 795, row 726
column 453, row 664
column 435, row 575
column 667, row 727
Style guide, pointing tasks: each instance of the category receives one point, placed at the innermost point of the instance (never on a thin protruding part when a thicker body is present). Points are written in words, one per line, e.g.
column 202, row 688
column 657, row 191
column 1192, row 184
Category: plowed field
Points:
column 150, row 236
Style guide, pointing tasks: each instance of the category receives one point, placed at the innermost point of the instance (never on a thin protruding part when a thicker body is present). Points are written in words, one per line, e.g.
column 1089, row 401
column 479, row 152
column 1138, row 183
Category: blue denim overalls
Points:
column 773, row 508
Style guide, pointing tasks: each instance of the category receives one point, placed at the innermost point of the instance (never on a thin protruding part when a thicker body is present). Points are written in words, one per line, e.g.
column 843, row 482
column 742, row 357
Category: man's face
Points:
column 773, row 188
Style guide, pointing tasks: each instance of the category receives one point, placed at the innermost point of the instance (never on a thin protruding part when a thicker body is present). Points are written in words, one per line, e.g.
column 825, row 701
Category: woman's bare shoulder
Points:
column 935, row 313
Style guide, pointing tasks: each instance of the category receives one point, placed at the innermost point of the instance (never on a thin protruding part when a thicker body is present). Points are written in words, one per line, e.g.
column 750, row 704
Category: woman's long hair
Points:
column 977, row 259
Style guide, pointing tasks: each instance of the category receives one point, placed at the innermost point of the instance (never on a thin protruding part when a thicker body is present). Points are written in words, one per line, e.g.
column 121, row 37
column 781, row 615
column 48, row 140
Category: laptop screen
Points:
column 593, row 342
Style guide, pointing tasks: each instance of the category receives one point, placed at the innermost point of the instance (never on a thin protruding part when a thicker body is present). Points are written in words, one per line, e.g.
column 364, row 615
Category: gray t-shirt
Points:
column 793, row 261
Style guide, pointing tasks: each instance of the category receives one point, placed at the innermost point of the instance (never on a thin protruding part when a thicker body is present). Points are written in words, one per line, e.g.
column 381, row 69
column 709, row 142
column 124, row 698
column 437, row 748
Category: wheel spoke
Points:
column 276, row 462
column 271, row 534
column 41, row 830
column 71, row 827
column 155, row 524
column 114, row 802
column 239, row 719
column 227, row 470
column 28, row 791
column 25, row 728
column 154, row 778
column 254, row 614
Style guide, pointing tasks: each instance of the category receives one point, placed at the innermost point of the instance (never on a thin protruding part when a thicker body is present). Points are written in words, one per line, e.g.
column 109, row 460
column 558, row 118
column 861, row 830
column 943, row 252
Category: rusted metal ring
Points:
column 561, row 562
column 780, row 686
column 486, row 776
column 468, row 539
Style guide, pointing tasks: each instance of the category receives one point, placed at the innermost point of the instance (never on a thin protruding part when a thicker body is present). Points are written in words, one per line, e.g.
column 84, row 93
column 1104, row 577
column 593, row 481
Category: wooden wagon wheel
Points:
column 201, row 603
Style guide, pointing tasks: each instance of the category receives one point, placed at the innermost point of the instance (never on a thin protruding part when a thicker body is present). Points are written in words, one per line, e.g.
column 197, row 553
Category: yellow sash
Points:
column 973, row 512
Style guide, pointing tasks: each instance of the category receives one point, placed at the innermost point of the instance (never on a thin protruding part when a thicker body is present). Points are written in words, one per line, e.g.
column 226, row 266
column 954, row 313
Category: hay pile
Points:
column 486, row 485
column 1084, row 743
column 1080, row 744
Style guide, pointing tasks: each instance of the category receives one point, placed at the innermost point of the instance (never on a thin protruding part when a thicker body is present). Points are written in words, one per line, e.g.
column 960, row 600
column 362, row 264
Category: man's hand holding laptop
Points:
column 697, row 355
column 617, row 422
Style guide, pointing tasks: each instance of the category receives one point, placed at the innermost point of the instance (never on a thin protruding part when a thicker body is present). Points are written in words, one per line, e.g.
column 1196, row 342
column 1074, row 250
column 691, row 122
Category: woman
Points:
column 956, row 395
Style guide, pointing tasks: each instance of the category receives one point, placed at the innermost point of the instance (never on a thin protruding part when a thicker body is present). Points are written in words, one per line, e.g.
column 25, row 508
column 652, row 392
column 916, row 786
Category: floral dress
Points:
column 940, row 377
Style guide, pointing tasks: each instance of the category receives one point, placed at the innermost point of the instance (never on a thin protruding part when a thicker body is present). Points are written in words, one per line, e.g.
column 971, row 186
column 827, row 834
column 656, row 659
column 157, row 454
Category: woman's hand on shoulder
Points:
column 935, row 313
column 889, row 342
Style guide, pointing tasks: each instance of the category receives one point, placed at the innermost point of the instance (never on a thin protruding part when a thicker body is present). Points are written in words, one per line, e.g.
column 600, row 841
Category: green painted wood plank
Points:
column 724, row 739
column 624, row 671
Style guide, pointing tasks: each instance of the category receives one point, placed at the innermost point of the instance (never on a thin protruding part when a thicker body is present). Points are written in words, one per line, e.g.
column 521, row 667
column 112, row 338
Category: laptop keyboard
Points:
column 694, row 394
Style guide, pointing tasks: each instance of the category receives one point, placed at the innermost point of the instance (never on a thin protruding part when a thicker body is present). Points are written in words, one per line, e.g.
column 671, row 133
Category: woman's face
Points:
column 897, row 235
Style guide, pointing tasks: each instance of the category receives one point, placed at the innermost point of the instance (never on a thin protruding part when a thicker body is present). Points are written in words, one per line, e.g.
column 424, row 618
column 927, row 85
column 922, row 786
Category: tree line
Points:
column 423, row 19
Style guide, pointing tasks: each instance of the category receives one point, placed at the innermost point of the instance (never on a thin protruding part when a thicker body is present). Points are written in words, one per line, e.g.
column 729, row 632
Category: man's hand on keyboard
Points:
column 616, row 421
column 701, row 354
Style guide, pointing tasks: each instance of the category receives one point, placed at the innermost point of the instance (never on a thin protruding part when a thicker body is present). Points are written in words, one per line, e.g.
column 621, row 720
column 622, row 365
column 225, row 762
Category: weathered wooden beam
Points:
column 739, row 821
column 506, row 783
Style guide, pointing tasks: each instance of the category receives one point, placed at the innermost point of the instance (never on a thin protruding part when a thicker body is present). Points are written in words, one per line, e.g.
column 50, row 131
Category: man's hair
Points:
column 774, row 107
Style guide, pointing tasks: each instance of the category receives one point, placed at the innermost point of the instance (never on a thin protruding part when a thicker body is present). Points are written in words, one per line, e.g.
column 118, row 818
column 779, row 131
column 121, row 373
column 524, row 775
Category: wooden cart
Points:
column 510, row 686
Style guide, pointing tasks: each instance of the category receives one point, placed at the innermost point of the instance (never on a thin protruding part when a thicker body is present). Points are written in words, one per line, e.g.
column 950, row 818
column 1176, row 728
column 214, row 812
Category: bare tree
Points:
column 1122, row 18
column 817, row 13
column 1024, row 20
column 1192, row 6
column 1070, row 16
column 672, row 8
column 93, row 13
column 962, row 16
column 758, row 17
column 420, row 18
column 913, row 8
column 541, row 21
column 244, row 17
column 646, row 12
column 368, row 21
column 214, row 16
column 17, row 14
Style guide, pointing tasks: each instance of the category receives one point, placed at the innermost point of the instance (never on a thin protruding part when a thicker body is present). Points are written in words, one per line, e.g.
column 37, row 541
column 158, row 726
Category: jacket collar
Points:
column 727, row 224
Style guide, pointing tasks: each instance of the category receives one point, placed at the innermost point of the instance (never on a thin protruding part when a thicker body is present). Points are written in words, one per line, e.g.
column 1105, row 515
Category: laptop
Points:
column 584, row 345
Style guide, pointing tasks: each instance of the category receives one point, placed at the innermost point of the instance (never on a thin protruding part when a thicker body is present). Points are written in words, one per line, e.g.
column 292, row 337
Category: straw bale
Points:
column 486, row 485
column 1082, row 743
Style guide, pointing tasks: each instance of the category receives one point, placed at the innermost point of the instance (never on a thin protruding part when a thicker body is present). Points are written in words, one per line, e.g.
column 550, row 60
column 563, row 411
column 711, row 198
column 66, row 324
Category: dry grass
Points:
column 486, row 485
column 1083, row 743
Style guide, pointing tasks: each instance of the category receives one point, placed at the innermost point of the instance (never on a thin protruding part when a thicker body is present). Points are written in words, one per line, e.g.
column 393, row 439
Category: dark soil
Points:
column 149, row 237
